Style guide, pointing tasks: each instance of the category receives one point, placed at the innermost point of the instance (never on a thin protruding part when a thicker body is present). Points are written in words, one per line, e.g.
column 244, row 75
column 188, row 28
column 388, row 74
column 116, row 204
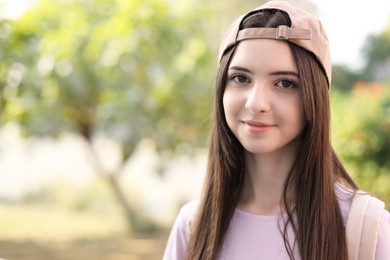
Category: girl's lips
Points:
column 258, row 127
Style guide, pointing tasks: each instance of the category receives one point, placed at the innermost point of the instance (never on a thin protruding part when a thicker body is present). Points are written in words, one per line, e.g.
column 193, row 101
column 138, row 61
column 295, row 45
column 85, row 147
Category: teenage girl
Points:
column 274, row 187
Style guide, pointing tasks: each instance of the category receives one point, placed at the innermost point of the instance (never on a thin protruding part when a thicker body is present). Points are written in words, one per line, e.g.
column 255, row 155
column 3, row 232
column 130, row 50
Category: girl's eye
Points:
column 239, row 78
column 284, row 83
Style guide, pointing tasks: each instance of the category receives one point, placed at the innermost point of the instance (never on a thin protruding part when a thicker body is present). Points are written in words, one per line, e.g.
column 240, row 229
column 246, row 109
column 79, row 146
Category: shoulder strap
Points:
column 363, row 226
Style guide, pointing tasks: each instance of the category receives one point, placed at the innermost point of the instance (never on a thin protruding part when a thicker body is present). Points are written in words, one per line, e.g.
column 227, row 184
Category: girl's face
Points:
column 262, row 99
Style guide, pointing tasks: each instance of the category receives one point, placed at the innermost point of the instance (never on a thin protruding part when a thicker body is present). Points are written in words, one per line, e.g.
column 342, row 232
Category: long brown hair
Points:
column 318, row 224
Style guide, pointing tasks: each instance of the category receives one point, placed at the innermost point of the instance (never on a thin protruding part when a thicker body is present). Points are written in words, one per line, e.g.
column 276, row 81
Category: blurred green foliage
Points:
column 361, row 116
column 376, row 53
column 361, row 135
column 128, row 69
column 343, row 78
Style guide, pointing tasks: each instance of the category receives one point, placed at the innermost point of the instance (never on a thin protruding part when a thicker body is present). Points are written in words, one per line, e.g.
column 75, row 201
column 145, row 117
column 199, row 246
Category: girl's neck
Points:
column 265, row 176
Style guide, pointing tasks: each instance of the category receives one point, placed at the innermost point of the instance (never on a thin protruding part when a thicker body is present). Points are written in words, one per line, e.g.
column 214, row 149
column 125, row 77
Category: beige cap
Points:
column 305, row 31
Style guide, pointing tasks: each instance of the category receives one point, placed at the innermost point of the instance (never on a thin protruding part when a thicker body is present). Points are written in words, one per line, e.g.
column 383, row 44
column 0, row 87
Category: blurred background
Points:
column 105, row 111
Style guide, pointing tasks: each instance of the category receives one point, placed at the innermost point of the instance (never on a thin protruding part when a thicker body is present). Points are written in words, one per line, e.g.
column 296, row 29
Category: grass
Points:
column 52, row 223
column 33, row 231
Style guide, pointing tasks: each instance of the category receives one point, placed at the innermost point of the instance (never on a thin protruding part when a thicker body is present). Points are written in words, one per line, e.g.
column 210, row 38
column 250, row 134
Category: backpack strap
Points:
column 363, row 226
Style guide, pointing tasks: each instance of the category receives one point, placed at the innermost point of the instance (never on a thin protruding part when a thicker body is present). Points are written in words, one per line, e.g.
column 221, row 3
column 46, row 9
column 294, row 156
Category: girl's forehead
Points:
column 264, row 55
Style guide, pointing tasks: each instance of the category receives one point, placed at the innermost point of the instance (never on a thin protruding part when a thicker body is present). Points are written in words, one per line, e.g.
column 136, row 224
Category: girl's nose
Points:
column 258, row 99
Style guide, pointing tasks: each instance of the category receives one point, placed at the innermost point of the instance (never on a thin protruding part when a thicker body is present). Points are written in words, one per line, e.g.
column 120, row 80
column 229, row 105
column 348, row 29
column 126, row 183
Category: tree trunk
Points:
column 136, row 221
column 113, row 181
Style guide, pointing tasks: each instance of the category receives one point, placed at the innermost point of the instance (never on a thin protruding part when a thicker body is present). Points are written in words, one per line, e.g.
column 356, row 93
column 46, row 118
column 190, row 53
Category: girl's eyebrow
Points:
column 240, row 69
column 291, row 73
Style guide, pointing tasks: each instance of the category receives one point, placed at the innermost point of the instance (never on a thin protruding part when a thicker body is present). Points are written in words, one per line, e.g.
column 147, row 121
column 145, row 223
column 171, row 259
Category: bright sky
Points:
column 347, row 22
column 14, row 8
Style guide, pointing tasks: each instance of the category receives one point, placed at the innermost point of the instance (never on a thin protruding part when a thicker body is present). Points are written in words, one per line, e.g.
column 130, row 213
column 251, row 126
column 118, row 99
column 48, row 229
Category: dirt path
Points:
column 141, row 247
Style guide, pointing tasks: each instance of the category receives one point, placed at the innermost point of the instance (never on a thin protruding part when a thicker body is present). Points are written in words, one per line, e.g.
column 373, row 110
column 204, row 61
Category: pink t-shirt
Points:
column 251, row 236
